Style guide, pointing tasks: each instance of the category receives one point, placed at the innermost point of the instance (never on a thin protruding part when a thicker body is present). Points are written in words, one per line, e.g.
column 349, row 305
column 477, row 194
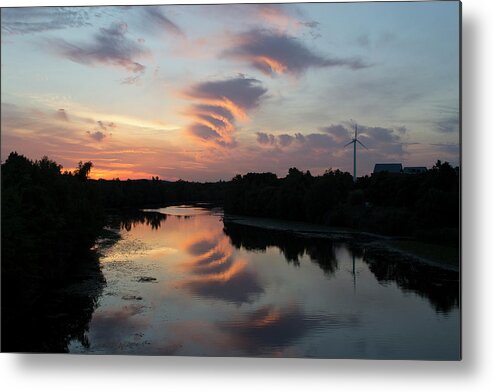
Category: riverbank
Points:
column 60, row 312
column 404, row 248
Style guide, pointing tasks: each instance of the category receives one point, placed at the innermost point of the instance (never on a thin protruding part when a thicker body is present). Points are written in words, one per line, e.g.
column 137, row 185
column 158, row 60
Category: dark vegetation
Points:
column 51, row 218
column 440, row 286
column 48, row 218
column 425, row 206
column 145, row 193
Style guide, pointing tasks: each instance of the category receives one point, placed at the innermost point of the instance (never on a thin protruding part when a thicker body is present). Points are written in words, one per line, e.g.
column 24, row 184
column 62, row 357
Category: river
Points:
column 180, row 282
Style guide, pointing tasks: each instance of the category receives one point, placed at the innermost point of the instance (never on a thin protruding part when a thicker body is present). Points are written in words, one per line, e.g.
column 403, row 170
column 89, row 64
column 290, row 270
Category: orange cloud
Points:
column 219, row 105
column 277, row 15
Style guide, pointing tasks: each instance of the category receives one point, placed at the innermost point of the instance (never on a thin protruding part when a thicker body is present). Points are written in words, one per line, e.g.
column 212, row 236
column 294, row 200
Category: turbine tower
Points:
column 354, row 141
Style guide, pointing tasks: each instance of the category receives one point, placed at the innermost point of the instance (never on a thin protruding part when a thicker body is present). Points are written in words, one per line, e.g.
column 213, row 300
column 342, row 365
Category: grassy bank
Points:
column 440, row 254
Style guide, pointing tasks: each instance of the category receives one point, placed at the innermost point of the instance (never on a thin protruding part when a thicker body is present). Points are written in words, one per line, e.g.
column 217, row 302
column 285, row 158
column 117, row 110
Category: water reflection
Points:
column 272, row 328
column 215, row 272
column 130, row 219
column 320, row 251
column 184, row 211
column 439, row 286
column 231, row 290
column 119, row 328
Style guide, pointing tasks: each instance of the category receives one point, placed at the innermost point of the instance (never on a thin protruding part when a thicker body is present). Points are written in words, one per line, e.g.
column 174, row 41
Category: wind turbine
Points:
column 354, row 141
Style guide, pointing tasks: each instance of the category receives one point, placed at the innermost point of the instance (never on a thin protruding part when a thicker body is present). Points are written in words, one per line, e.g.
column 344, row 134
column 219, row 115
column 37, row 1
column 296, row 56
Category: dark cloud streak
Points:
column 110, row 47
column 243, row 92
column 273, row 52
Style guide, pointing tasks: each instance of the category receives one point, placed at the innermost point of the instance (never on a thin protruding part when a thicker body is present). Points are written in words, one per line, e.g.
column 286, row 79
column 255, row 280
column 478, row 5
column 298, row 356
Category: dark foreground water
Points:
column 179, row 282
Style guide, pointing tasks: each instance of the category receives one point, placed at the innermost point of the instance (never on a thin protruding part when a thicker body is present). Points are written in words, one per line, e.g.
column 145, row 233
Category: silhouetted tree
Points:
column 83, row 170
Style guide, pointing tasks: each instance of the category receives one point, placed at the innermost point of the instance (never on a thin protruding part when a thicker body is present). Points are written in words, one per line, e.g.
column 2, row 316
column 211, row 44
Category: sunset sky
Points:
column 204, row 92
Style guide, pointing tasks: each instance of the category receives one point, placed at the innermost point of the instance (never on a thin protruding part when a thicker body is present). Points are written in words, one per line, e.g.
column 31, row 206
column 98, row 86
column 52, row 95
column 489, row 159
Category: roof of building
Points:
column 388, row 167
column 415, row 169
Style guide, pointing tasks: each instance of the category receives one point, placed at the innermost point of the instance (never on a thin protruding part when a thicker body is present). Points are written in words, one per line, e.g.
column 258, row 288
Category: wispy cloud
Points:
column 30, row 20
column 277, row 15
column 273, row 52
column 110, row 46
column 155, row 16
column 448, row 124
column 105, row 125
column 280, row 17
column 220, row 104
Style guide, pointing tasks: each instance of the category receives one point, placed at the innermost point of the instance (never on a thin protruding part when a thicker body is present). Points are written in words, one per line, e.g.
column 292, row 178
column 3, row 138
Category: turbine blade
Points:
column 362, row 144
column 352, row 141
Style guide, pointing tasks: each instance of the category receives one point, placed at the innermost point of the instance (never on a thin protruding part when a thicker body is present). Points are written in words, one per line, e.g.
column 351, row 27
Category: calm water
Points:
column 181, row 283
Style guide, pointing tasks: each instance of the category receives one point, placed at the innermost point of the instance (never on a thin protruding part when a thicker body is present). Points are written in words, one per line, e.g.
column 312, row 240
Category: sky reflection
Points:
column 236, row 291
column 216, row 272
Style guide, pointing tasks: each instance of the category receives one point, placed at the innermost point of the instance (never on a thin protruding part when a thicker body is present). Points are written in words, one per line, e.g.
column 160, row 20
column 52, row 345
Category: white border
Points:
column 113, row 373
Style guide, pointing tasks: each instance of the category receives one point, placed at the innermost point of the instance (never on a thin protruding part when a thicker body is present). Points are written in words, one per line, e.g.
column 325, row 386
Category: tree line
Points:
column 155, row 192
column 424, row 205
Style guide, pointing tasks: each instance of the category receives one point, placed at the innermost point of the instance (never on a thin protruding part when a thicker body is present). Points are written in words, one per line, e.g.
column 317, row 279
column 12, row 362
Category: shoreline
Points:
column 405, row 248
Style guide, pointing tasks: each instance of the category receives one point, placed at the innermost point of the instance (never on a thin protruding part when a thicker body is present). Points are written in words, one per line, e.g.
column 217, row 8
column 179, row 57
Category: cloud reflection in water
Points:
column 215, row 272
